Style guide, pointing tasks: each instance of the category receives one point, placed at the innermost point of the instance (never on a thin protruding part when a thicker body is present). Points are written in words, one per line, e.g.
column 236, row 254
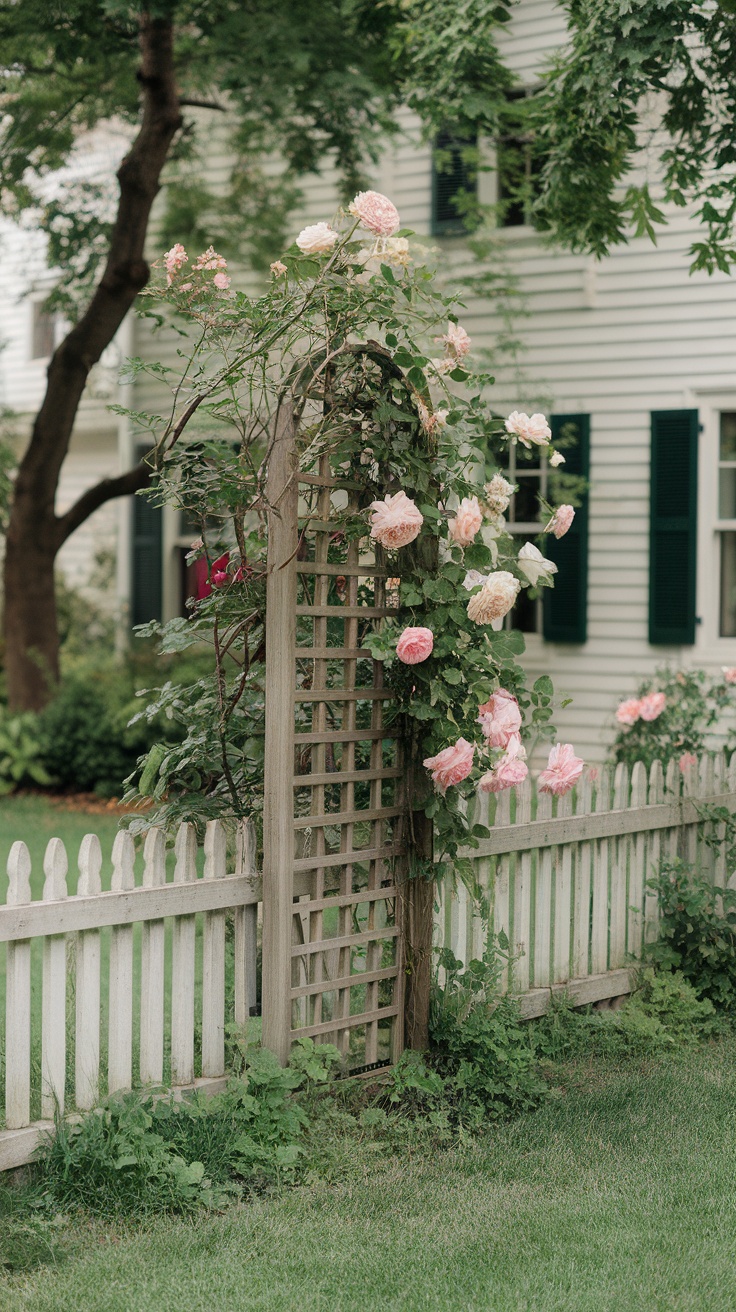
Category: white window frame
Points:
column 709, row 643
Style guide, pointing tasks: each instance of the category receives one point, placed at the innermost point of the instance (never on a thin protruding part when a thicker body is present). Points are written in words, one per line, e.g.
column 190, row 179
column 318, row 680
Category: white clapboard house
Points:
column 635, row 362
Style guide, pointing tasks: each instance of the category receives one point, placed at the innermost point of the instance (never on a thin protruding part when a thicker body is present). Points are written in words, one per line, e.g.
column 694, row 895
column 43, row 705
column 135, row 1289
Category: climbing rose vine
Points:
column 354, row 334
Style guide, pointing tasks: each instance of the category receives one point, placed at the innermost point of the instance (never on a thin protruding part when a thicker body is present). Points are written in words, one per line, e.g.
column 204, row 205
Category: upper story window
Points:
column 454, row 184
column 516, row 166
column 43, row 332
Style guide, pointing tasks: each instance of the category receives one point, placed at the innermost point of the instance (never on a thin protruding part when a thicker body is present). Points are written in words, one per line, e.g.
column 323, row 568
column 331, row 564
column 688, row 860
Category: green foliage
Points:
column 83, row 731
column 668, row 58
column 697, row 931
column 695, row 705
column 479, row 1043
column 30, row 1230
column 22, row 752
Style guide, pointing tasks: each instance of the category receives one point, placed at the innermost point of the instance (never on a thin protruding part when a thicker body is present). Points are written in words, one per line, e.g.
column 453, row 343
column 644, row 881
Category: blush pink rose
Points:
column 560, row 521
column 221, row 281
column 415, row 645
column 457, row 343
column 466, row 523
column 173, row 261
column 531, row 430
column 316, row 238
column 629, row 711
column 451, row 765
column 376, row 213
column 651, row 706
column 395, row 521
column 729, row 673
column 507, row 773
column 564, row 769
column 499, row 718
column 686, row 760
column 277, row 268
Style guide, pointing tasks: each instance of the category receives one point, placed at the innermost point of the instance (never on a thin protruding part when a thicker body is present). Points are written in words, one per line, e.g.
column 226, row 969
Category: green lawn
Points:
column 35, row 820
column 618, row 1196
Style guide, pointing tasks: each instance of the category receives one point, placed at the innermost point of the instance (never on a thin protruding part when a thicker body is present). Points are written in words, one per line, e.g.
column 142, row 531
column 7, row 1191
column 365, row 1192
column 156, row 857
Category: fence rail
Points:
column 77, row 976
column 566, row 878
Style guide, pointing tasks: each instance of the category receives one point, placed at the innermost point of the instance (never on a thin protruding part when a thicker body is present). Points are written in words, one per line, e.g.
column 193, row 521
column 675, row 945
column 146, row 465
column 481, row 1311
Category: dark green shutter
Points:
column 146, row 599
column 565, row 606
column 673, row 526
column 448, row 183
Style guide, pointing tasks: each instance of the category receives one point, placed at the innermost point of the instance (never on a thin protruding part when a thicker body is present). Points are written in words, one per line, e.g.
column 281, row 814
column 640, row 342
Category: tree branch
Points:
column 106, row 490
column 192, row 102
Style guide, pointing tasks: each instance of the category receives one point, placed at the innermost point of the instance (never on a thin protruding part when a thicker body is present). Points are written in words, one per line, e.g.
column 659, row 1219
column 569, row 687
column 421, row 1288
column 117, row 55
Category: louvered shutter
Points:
column 673, row 526
column 565, row 607
column 147, row 565
column 449, row 181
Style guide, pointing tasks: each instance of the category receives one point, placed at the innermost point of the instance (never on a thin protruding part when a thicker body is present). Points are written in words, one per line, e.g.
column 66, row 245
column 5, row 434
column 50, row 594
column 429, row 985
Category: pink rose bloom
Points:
column 466, row 523
column 560, row 521
column 564, row 769
column 499, row 718
column 395, row 521
column 221, row 281
column 277, row 268
column 219, row 570
column 495, row 599
column 375, row 212
column 173, row 261
column 507, row 773
column 629, row 711
column 531, row 430
column 686, row 760
column 210, row 260
column 651, row 706
column 456, row 343
column 415, row 645
column 451, row 765
column 316, row 238
column 729, row 673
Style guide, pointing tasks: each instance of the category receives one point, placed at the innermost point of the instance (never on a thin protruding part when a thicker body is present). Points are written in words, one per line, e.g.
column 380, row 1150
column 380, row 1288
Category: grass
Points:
column 618, row 1196
column 36, row 819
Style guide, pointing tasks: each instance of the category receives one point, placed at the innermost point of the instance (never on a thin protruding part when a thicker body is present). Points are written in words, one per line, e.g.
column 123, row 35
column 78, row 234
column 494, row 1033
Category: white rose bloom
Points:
column 495, row 599
column 498, row 494
column 533, row 564
column 556, row 459
column 473, row 578
column 316, row 238
column 531, row 430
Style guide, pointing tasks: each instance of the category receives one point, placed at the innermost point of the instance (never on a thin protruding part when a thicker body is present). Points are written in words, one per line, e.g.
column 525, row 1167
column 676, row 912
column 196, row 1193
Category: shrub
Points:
column 695, row 703
column 83, row 731
column 21, row 752
column 697, row 931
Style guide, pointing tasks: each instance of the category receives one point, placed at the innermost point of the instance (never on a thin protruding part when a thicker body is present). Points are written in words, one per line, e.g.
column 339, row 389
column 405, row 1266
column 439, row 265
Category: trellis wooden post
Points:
column 278, row 801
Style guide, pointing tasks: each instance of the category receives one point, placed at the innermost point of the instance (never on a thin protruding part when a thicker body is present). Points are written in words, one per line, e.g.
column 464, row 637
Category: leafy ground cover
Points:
column 616, row 1195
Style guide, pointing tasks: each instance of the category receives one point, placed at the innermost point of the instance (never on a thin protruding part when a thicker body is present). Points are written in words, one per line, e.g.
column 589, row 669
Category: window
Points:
column 727, row 522
column 454, row 184
column 516, row 165
column 43, row 332
column 530, row 471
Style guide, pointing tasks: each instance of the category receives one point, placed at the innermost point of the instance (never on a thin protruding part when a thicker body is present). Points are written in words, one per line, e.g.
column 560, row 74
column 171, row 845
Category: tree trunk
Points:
column 35, row 533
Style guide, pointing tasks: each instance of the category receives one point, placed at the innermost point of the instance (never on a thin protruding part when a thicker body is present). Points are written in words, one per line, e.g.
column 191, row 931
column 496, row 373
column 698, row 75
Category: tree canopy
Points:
column 642, row 86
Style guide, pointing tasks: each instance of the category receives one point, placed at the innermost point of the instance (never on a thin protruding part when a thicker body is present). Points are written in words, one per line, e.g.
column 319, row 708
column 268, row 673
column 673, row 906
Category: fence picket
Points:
column 523, row 893
column 719, row 786
column 653, row 856
column 705, row 855
column 213, row 961
column 619, row 874
column 182, row 964
column 637, row 866
column 18, row 999
column 152, row 966
column 581, row 906
column 563, row 900
column 53, row 1000
column 246, row 929
column 87, row 1033
column 501, row 877
column 120, row 1023
column 601, row 854
column 543, row 903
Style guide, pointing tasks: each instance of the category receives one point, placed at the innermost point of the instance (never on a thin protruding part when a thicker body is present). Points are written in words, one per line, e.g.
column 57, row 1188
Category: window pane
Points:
column 526, row 501
column 728, row 585
column 728, row 435
column 727, row 494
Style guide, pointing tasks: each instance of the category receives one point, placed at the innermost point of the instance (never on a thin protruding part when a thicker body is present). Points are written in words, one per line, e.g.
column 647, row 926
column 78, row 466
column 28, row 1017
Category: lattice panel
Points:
column 346, row 985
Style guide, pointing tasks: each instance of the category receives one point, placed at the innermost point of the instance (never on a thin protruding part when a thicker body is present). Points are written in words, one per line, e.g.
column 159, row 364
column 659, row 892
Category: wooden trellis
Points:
column 333, row 803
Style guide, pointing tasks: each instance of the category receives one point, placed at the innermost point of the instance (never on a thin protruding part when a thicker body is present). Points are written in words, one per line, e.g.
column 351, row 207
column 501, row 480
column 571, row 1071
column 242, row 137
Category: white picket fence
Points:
column 566, row 878
column 70, row 929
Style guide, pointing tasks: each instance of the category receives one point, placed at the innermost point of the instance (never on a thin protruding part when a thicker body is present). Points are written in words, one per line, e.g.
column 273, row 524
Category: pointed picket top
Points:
column 245, row 849
column 185, row 847
column 154, row 859
column 19, row 875
column 656, row 784
column 90, row 865
column 638, row 784
column 55, row 867
column 585, row 792
column 707, row 776
column 123, row 863
column 690, row 779
column 621, row 787
column 215, row 850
